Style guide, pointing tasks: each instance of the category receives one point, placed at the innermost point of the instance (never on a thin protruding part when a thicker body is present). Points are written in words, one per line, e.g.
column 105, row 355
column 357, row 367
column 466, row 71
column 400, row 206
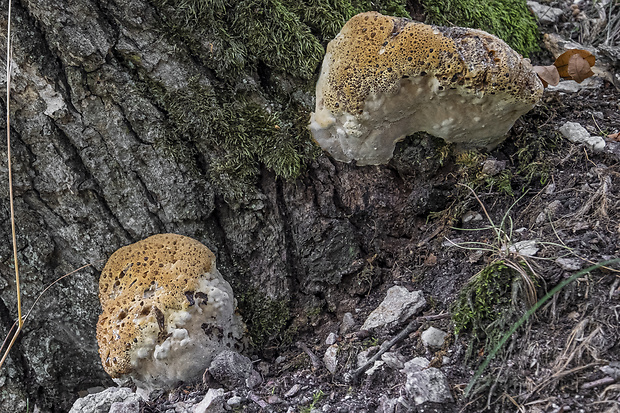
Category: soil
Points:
column 561, row 195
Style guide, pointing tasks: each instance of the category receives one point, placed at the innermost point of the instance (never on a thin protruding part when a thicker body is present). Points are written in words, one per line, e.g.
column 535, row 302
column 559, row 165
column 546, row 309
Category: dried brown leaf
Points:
column 579, row 68
column 431, row 260
column 548, row 74
column 562, row 62
column 614, row 136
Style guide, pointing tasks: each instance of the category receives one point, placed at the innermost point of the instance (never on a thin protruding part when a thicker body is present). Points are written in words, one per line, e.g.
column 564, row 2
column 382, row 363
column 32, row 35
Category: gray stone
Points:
column 433, row 337
column 492, row 167
column 612, row 369
column 348, row 322
column 232, row 370
column 125, row 407
column 545, row 14
column 426, row 384
column 569, row 264
column 393, row 360
column 213, row 402
column 331, row 339
column 234, row 401
column 387, row 405
column 292, row 391
column 396, row 308
column 330, row 358
column 471, row 216
column 526, row 248
column 102, row 402
column 274, row 399
column 576, row 133
column 364, row 356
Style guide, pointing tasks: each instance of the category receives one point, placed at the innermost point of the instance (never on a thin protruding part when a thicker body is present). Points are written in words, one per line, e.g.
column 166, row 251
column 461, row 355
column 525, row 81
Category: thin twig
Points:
column 600, row 382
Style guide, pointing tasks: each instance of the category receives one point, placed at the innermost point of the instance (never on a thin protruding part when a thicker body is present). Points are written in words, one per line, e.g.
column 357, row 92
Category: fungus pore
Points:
column 167, row 312
column 384, row 78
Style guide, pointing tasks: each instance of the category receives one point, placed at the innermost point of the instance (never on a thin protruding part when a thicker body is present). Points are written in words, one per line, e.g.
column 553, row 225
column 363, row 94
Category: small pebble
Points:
column 293, row 391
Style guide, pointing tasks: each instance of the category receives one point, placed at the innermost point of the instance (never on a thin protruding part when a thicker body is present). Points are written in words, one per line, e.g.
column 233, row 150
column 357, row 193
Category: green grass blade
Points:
column 527, row 315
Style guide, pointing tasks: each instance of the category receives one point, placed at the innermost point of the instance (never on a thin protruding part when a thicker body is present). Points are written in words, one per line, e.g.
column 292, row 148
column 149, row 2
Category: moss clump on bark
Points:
column 251, row 106
column 233, row 37
column 266, row 318
column 239, row 124
column 326, row 17
column 510, row 20
column 235, row 132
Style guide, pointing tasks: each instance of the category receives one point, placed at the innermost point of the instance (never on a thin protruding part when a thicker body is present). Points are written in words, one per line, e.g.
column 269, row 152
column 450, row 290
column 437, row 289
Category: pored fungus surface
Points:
column 166, row 311
column 384, row 78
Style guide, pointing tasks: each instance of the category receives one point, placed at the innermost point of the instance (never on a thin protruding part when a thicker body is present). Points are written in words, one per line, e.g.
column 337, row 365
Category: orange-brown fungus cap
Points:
column 142, row 281
column 375, row 58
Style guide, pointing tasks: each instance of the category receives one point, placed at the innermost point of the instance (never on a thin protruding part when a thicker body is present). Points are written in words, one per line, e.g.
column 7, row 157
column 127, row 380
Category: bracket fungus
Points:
column 384, row 78
column 167, row 312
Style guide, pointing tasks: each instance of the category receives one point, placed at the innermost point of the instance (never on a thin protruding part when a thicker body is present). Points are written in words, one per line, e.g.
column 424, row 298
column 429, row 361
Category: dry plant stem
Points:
column 563, row 245
column 8, row 153
column 480, row 202
column 20, row 321
column 6, row 353
column 513, row 401
column 411, row 327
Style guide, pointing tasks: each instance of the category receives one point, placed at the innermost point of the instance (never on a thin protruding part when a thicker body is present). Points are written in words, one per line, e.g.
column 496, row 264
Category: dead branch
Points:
column 413, row 325
column 599, row 382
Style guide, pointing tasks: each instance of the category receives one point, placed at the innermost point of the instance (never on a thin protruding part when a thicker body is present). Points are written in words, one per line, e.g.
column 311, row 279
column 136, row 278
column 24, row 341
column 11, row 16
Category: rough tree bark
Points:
column 100, row 161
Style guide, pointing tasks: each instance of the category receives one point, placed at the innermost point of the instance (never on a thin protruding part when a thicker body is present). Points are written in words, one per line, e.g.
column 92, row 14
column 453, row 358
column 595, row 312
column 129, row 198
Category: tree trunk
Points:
column 134, row 117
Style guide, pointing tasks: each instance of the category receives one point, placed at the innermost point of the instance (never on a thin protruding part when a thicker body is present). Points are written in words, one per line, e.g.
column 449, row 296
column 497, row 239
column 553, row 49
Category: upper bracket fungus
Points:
column 167, row 312
column 384, row 78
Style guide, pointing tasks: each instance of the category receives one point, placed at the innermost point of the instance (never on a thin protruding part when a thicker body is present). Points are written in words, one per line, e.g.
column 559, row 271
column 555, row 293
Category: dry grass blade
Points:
column 576, row 345
column 530, row 287
column 8, row 154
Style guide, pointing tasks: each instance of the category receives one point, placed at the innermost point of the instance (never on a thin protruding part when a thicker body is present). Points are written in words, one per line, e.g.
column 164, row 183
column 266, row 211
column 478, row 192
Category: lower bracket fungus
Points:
column 167, row 312
column 384, row 78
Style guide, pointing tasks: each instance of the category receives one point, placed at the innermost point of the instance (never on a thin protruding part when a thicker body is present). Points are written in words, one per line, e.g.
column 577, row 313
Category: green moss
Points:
column 488, row 304
column 509, row 20
column 471, row 173
column 326, row 17
column 265, row 318
column 533, row 157
column 233, row 37
column 477, row 303
column 248, row 109
column 235, row 131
